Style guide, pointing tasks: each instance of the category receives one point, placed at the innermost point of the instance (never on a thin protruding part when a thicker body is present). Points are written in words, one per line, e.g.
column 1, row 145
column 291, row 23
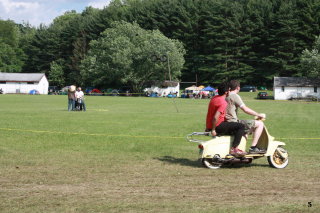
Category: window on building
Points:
column 315, row 89
column 30, row 83
column 282, row 88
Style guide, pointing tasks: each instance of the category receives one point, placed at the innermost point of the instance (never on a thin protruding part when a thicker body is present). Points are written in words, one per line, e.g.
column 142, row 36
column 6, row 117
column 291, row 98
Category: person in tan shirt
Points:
column 252, row 126
column 71, row 98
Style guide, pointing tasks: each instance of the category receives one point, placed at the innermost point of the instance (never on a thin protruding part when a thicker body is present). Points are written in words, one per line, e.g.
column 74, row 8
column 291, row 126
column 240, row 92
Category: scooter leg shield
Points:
column 272, row 147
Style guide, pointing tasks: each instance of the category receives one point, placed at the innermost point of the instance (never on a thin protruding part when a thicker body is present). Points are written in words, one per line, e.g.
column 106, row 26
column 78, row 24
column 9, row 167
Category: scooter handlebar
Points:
column 262, row 117
column 191, row 139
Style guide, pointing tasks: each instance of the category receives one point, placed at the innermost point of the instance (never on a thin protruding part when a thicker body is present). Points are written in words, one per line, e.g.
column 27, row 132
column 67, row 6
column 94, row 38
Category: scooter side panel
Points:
column 220, row 146
column 217, row 146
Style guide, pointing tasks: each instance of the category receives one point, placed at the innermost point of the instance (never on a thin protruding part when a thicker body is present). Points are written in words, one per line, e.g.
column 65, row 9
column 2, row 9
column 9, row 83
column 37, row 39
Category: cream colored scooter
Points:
column 214, row 152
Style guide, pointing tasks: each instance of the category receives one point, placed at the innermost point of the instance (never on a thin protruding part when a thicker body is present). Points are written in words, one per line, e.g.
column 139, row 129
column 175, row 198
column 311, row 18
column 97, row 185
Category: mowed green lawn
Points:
column 129, row 154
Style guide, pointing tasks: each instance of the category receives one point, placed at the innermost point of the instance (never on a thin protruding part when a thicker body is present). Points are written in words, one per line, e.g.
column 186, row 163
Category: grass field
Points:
column 129, row 154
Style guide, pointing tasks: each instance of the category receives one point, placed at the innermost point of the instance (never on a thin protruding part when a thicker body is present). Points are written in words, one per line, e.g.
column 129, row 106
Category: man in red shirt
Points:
column 216, row 123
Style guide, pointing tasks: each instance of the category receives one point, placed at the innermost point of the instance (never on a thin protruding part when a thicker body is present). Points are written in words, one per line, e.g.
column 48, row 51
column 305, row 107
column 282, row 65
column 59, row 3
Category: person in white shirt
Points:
column 80, row 99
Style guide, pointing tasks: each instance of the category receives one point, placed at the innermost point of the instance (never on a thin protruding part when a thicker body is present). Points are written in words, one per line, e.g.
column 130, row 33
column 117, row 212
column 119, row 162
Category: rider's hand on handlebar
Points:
column 213, row 132
column 261, row 116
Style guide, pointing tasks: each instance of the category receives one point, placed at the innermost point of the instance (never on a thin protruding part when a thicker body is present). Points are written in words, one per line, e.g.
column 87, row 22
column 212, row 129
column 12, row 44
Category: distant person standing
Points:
column 80, row 99
column 71, row 97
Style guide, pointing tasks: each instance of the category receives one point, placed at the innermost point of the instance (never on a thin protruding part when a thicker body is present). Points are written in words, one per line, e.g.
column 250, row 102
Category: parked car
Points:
column 262, row 95
column 63, row 91
column 262, row 88
column 88, row 90
column 95, row 92
column 248, row 88
column 53, row 90
column 115, row 92
column 125, row 91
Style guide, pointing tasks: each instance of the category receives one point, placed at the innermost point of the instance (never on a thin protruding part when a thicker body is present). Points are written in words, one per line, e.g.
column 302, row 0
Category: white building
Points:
column 23, row 83
column 286, row 88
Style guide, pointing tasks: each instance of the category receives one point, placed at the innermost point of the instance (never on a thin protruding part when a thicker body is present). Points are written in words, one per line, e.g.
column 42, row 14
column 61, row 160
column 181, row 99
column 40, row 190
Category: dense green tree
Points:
column 282, row 57
column 11, row 55
column 66, row 40
column 53, row 43
column 66, row 28
column 307, row 15
column 9, row 33
column 252, row 40
column 40, row 53
column 27, row 33
column 56, row 74
column 88, row 27
column 11, row 58
column 310, row 61
column 256, row 25
column 127, row 54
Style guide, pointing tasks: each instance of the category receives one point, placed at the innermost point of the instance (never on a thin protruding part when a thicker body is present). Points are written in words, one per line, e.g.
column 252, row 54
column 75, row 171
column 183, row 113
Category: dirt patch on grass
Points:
column 155, row 184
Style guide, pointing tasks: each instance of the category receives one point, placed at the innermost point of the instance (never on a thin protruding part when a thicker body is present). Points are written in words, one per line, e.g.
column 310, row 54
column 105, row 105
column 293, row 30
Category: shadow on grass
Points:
column 197, row 163
column 181, row 161
column 239, row 166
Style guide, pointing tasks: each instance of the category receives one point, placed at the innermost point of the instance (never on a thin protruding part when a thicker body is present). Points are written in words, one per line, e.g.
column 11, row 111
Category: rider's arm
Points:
column 251, row 112
column 214, row 123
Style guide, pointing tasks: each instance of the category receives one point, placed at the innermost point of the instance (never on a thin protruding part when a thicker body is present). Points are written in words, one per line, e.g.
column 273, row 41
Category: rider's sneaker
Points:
column 237, row 152
column 256, row 150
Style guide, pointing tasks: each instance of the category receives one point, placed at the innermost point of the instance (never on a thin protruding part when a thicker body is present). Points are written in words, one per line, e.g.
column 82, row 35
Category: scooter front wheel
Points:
column 279, row 159
column 210, row 164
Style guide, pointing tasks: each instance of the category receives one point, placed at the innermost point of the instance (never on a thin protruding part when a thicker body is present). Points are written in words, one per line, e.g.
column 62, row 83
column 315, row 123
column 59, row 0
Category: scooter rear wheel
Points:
column 279, row 159
column 209, row 164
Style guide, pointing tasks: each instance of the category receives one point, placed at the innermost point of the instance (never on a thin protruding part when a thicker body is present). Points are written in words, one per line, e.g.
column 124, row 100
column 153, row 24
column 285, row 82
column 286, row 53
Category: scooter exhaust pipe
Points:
column 240, row 160
column 231, row 160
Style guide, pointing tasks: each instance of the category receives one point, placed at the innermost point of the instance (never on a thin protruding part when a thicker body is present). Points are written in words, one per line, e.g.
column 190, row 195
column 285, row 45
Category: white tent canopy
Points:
column 165, row 89
column 194, row 88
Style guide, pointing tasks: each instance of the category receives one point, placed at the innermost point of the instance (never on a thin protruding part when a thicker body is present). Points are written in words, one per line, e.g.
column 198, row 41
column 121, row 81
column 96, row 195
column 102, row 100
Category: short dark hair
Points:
column 223, row 88
column 233, row 84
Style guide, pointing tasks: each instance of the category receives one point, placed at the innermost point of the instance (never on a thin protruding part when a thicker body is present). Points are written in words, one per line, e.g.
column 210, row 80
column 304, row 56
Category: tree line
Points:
column 249, row 40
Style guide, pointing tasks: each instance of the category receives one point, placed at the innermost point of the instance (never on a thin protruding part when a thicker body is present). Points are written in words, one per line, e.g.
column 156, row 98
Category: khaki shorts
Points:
column 249, row 125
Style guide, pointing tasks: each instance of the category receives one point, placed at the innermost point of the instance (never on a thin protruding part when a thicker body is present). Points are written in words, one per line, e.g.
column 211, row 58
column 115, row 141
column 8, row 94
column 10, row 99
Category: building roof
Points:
column 21, row 77
column 296, row 82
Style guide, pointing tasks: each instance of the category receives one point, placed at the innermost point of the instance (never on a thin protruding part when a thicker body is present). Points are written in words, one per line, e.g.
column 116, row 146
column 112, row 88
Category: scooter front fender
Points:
column 273, row 145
